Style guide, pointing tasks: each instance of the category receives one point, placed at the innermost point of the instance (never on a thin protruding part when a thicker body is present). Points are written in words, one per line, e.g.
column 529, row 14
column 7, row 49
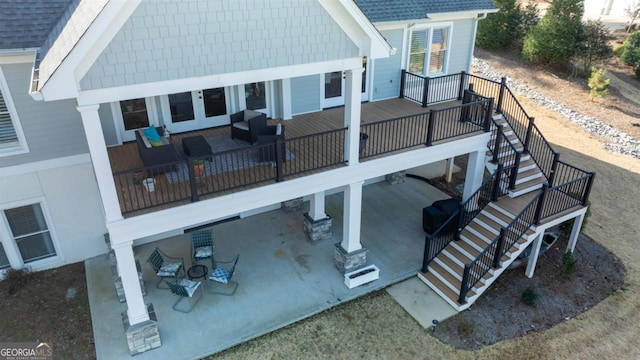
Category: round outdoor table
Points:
column 197, row 272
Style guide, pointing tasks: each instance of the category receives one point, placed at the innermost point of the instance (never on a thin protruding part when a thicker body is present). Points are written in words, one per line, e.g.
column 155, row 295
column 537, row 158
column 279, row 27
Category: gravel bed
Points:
column 617, row 141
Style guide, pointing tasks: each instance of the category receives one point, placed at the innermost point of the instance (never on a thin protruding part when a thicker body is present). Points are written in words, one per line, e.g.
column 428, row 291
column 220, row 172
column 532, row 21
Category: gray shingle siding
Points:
column 166, row 40
column 403, row 10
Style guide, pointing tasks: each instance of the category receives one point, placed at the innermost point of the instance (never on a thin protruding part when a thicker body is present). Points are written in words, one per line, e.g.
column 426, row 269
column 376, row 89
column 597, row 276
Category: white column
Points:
column 352, row 111
column 136, row 309
column 533, row 256
column 316, row 206
column 575, row 231
column 475, row 171
column 286, row 99
column 448, row 171
column 352, row 217
column 100, row 160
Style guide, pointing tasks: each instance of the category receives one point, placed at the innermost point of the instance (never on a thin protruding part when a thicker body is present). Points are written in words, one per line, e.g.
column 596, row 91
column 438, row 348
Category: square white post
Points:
column 316, row 206
column 286, row 99
column 533, row 256
column 475, row 171
column 352, row 217
column 575, row 231
column 100, row 161
column 352, row 111
column 448, row 171
column 136, row 309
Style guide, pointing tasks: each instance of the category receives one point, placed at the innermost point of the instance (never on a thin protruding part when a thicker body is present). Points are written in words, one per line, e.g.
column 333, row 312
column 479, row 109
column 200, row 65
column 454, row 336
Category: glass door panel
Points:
column 255, row 96
column 181, row 107
column 134, row 114
column 333, row 89
column 214, row 102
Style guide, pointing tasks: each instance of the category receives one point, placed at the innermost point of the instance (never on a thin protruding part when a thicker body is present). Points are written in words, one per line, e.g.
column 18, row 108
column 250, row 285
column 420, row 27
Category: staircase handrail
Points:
column 476, row 202
column 436, row 242
column 494, row 251
column 513, row 155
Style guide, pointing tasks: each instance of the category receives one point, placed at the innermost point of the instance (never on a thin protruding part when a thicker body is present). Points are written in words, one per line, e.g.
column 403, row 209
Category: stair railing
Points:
column 511, row 156
column 491, row 256
column 436, row 242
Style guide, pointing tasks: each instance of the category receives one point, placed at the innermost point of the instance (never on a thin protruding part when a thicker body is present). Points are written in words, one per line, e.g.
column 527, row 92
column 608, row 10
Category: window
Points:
column 30, row 232
column 134, row 114
column 181, row 107
column 12, row 139
column 428, row 50
column 4, row 261
column 214, row 102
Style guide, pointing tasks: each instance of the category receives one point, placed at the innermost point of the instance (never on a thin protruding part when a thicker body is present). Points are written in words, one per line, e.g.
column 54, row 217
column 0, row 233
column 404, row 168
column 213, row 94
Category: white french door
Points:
column 256, row 96
column 194, row 110
column 133, row 114
column 334, row 87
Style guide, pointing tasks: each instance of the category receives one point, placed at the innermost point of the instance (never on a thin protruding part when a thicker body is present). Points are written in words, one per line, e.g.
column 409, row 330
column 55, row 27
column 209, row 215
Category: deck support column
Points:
column 575, row 231
column 474, row 175
column 352, row 111
column 349, row 254
column 448, row 170
column 100, row 161
column 533, row 256
column 317, row 224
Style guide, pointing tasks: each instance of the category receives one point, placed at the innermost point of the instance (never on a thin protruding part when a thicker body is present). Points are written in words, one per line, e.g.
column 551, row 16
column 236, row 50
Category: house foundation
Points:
column 143, row 336
column 349, row 261
column 396, row 177
column 316, row 230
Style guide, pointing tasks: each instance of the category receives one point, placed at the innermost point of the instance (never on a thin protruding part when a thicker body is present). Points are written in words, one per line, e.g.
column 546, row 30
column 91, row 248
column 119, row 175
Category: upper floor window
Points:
column 428, row 50
column 11, row 137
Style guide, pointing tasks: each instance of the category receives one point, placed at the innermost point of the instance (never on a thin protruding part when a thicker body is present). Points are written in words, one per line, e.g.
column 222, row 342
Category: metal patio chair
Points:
column 222, row 275
column 186, row 289
column 201, row 245
column 165, row 266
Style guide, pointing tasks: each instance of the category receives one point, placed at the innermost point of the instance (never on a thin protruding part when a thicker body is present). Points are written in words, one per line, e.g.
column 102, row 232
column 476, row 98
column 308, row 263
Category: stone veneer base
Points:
column 143, row 336
column 317, row 229
column 347, row 262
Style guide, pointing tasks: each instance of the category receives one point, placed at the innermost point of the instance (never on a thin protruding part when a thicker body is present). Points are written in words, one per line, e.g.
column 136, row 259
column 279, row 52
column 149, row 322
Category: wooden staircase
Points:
column 445, row 272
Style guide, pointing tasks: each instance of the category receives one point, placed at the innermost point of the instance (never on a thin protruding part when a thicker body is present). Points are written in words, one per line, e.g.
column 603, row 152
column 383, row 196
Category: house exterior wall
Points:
column 461, row 51
column 166, row 40
column 305, row 94
column 386, row 72
column 72, row 200
column 52, row 129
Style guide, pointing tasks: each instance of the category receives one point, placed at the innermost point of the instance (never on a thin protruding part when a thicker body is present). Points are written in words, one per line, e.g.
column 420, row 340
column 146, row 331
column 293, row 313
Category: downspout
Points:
column 473, row 42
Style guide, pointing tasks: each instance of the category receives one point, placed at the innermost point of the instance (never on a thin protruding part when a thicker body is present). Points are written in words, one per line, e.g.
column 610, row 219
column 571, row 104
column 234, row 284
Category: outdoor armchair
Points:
column 201, row 245
column 222, row 273
column 184, row 290
column 165, row 266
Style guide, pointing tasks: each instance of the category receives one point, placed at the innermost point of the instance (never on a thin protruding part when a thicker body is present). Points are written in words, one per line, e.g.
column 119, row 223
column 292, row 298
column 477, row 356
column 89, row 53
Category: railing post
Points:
column 527, row 137
column 279, row 144
column 503, row 85
column 192, row 180
column 540, row 204
column 587, row 192
column 464, row 288
column 497, row 144
column 430, row 127
column 425, row 91
column 460, row 220
column 426, row 258
column 554, row 167
column 496, row 184
column 488, row 116
column 498, row 254
column 403, row 82
column 514, row 172
column 463, row 75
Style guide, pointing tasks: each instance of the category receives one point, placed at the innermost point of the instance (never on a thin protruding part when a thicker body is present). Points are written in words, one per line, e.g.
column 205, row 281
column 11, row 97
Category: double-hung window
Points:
column 11, row 137
column 428, row 50
column 29, row 230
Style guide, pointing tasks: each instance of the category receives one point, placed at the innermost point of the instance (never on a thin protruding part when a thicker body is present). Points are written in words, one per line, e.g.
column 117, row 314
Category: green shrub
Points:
column 593, row 47
column 598, row 83
column 506, row 27
column 637, row 72
column 568, row 264
column 629, row 52
column 530, row 296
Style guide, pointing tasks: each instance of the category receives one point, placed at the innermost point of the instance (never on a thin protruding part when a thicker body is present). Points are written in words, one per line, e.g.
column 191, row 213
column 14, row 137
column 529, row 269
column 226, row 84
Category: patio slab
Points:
column 283, row 276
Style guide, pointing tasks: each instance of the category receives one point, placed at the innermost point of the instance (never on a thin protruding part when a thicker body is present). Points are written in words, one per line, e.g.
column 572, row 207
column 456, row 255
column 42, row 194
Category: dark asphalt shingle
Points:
column 27, row 23
column 402, row 10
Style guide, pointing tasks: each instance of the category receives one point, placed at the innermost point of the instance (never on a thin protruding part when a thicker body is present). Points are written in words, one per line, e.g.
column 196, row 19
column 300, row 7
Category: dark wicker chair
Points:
column 247, row 125
column 201, row 245
column 222, row 275
column 186, row 289
column 165, row 266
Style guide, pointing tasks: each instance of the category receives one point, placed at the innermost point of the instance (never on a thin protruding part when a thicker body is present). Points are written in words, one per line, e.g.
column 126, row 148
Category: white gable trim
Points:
column 86, row 51
column 358, row 28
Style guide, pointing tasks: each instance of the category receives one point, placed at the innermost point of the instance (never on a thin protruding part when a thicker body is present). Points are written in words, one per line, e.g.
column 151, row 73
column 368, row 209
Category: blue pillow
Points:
column 151, row 133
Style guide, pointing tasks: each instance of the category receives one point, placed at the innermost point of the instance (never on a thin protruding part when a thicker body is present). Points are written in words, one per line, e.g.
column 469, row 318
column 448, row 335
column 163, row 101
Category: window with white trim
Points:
column 4, row 260
column 29, row 229
column 428, row 50
column 11, row 137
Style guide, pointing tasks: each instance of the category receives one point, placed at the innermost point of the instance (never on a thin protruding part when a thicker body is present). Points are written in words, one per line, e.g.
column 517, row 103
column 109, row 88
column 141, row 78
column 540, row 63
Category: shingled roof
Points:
column 403, row 10
column 27, row 23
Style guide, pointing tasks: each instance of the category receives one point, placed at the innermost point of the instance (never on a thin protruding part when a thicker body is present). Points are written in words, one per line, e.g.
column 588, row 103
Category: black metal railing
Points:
column 489, row 191
column 432, row 90
column 574, row 190
column 471, row 118
column 491, row 256
column 436, row 242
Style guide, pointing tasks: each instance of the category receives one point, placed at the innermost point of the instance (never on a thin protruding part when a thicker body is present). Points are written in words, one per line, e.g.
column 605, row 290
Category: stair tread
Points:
column 453, row 296
column 490, row 236
column 468, row 248
column 456, row 268
column 458, row 254
column 528, row 173
column 450, row 278
column 530, row 183
column 489, row 221
column 497, row 213
column 473, row 238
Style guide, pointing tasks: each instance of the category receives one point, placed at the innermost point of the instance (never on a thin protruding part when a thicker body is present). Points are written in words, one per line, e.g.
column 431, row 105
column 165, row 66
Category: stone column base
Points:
column 396, row 177
column 317, row 229
column 117, row 281
column 293, row 205
column 143, row 336
column 346, row 262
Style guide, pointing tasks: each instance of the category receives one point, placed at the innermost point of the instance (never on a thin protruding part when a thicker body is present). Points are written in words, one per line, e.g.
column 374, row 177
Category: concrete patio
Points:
column 283, row 276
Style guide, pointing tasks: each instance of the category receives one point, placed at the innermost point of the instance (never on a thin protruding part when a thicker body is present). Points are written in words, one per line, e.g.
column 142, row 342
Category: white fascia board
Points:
column 358, row 28
column 100, row 96
column 17, row 57
column 64, row 83
column 186, row 216
column 384, row 25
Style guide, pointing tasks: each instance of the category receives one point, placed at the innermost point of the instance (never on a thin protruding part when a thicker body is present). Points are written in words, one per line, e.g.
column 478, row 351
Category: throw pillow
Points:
column 156, row 143
column 151, row 133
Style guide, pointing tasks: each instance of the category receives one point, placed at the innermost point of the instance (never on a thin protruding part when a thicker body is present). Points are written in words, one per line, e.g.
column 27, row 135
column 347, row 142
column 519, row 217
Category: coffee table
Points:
column 196, row 146
column 197, row 272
